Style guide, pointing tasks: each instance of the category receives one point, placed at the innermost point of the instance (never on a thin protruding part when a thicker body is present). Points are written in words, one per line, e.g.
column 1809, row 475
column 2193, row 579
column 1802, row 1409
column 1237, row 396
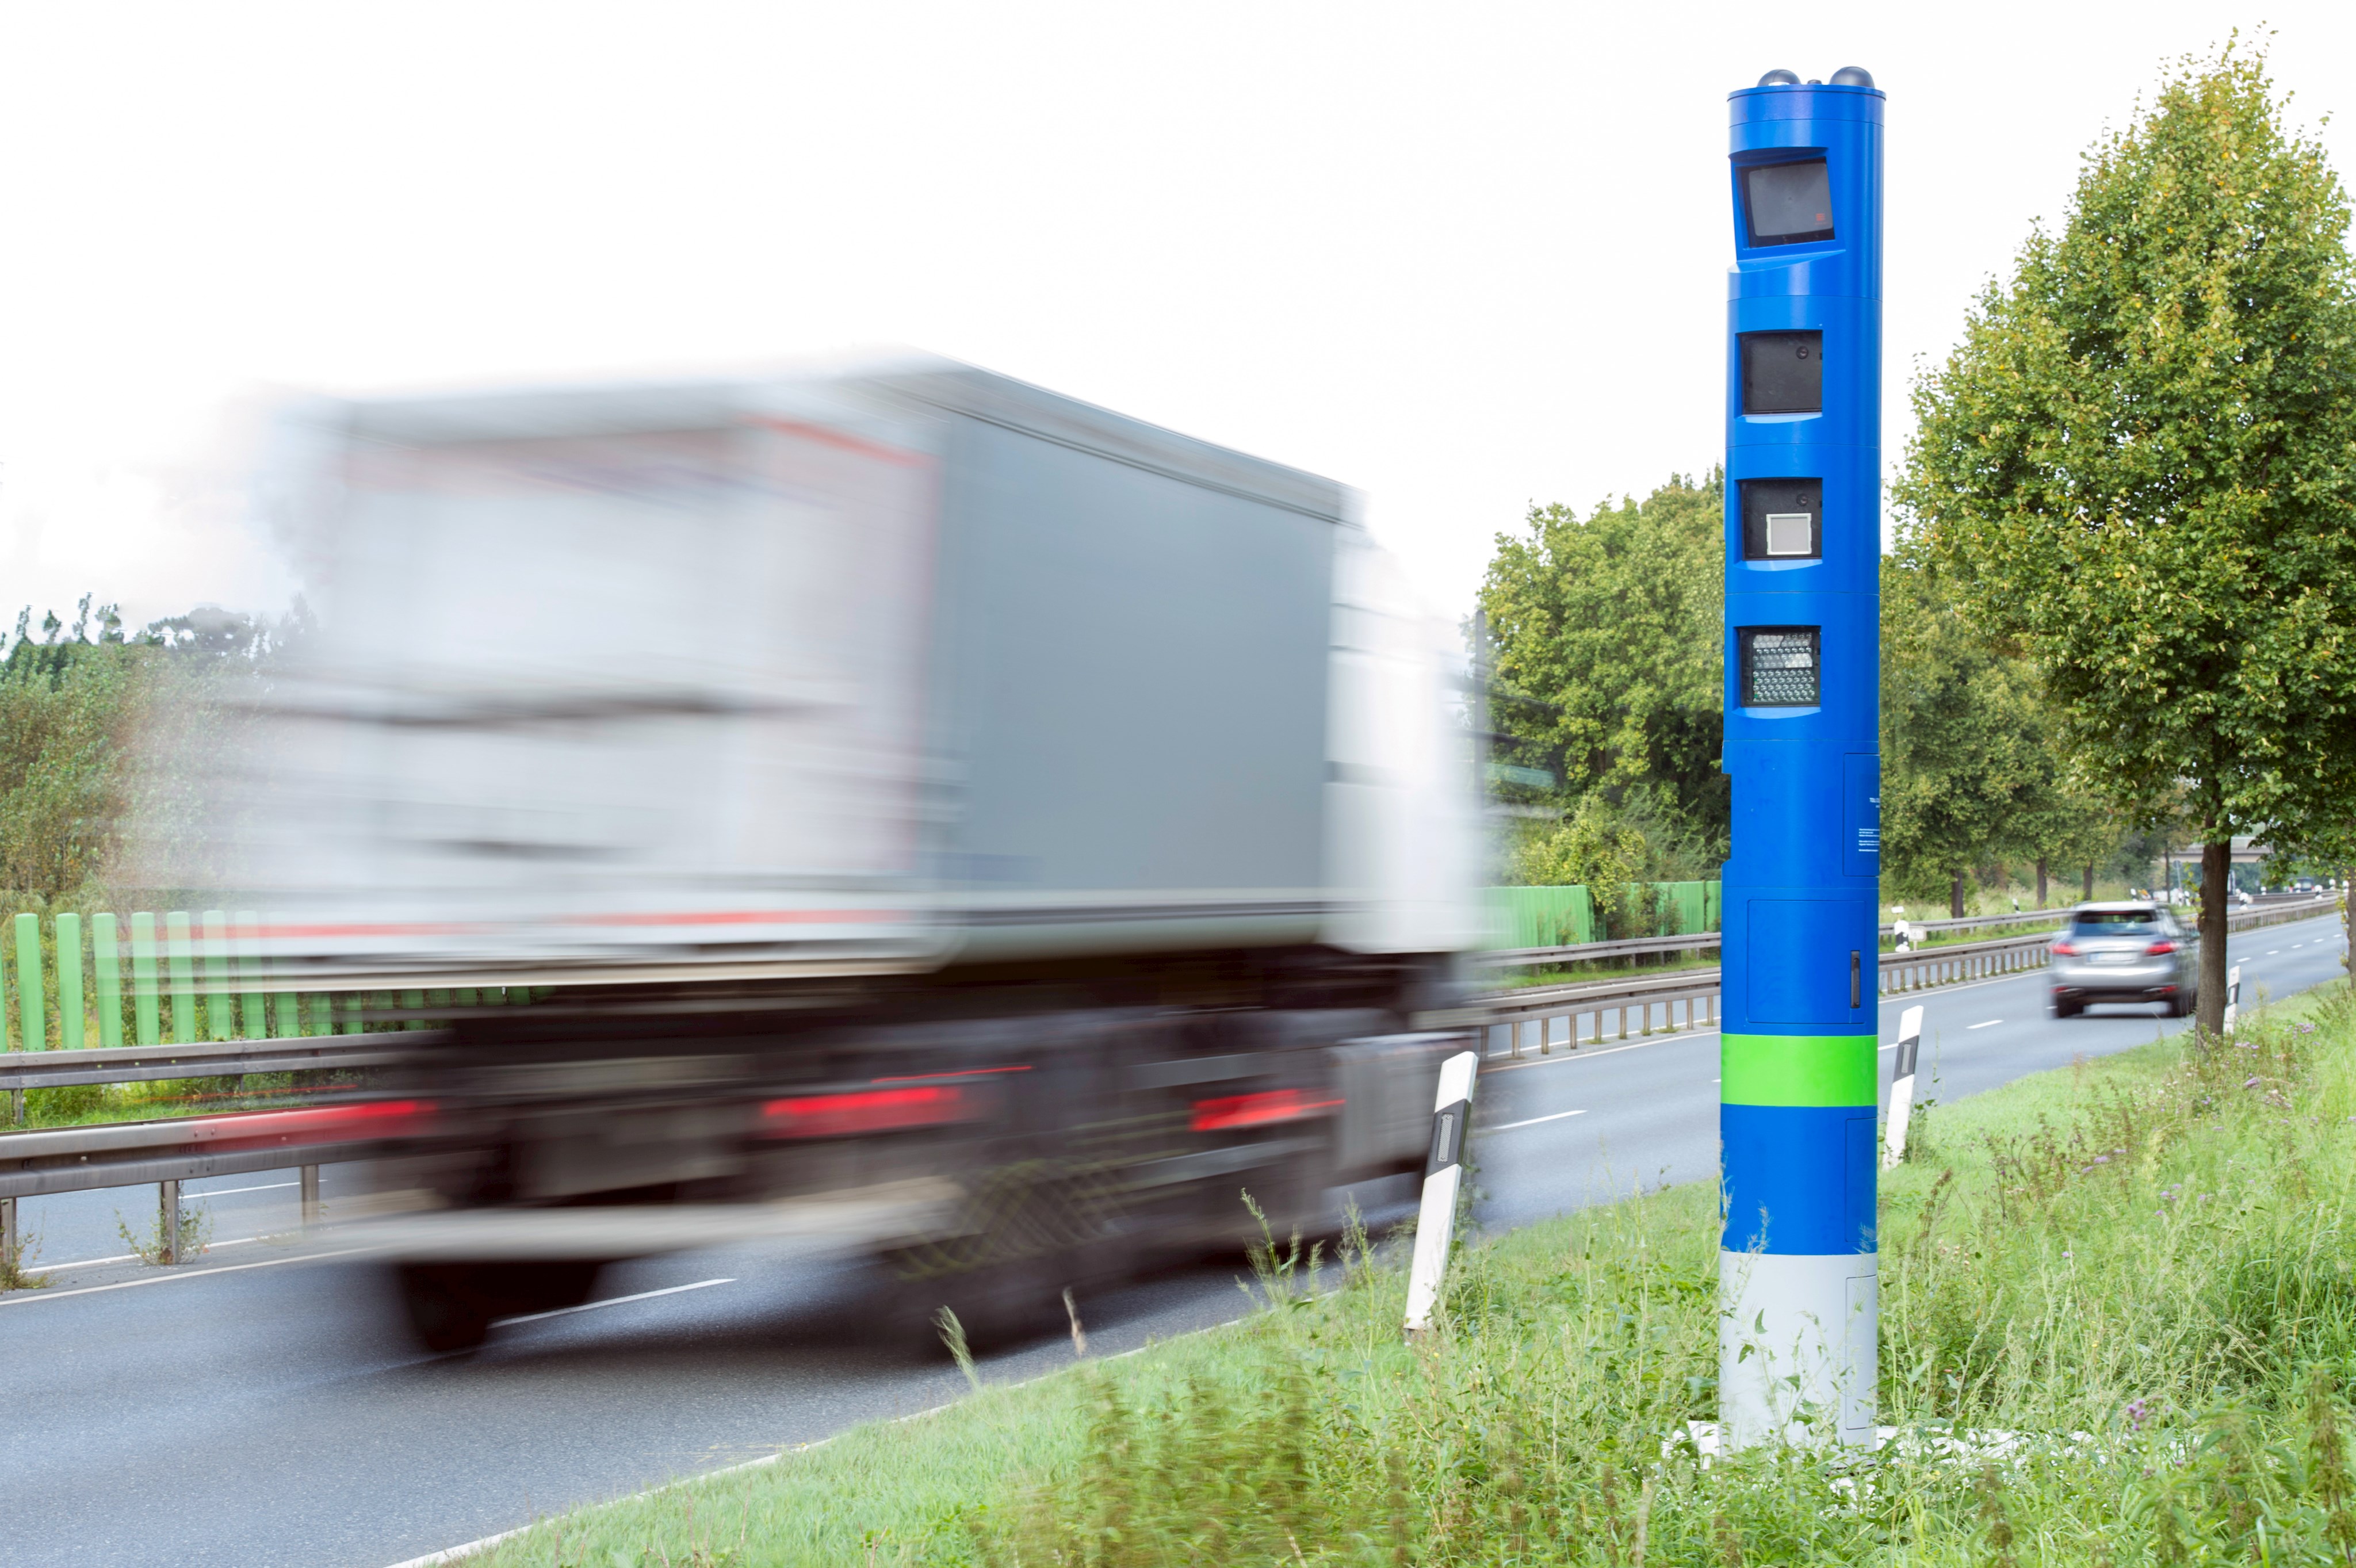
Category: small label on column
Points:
column 1861, row 814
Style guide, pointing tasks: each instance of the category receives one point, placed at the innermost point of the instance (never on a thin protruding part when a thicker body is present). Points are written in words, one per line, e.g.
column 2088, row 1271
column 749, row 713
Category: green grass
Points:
column 2151, row 1251
column 90, row 1104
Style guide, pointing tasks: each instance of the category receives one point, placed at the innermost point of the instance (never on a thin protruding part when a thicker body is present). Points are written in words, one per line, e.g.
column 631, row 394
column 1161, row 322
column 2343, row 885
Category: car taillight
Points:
column 1258, row 1109
column 2065, row 948
column 2160, row 947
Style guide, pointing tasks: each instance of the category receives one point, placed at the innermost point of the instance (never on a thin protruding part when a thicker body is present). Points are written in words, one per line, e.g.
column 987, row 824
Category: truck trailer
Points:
column 891, row 804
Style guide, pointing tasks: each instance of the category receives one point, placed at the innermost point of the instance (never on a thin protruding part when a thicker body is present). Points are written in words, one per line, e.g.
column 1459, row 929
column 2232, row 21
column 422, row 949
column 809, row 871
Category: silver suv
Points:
column 2125, row 953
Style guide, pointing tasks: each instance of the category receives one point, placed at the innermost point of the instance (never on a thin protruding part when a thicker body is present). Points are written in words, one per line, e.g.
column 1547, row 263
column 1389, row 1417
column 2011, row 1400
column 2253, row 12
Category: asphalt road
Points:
column 261, row 1408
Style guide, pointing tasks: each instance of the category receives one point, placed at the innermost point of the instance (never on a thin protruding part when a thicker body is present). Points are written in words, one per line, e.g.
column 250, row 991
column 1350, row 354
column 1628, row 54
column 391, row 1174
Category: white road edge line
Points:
column 1991, row 1023
column 27, row 1298
column 1534, row 1121
column 613, row 1301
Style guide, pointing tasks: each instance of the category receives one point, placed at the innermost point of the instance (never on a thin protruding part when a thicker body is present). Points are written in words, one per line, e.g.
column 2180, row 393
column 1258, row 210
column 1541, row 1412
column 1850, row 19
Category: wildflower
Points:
column 2251, row 1083
column 2138, row 1411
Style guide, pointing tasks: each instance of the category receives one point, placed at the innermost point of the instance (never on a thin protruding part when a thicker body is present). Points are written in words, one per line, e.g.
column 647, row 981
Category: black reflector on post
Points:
column 1780, row 667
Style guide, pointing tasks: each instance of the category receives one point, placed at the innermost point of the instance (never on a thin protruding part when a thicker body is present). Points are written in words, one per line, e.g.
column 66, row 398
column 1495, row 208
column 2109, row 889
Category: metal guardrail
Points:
column 51, row 1160
column 1623, row 1004
column 21, row 1070
column 1701, row 942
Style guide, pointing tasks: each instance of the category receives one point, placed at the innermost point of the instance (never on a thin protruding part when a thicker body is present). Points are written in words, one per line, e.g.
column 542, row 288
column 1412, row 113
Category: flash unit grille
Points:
column 1780, row 667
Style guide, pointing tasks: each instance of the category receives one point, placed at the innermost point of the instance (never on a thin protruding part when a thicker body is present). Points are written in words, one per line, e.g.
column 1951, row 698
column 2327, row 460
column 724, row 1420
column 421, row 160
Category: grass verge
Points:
column 2142, row 1264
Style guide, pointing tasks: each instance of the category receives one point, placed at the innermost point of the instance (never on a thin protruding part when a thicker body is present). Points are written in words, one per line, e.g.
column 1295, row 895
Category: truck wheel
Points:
column 997, row 1306
column 452, row 1307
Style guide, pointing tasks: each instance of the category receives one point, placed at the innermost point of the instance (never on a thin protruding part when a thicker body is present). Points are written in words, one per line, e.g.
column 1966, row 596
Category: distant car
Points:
column 2124, row 951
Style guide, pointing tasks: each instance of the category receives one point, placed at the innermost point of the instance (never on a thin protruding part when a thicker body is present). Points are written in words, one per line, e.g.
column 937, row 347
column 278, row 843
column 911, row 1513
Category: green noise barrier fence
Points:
column 199, row 977
column 1562, row 917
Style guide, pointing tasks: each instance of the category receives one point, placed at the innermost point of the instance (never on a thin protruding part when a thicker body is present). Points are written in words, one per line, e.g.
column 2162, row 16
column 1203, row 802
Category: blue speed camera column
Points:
column 1803, row 657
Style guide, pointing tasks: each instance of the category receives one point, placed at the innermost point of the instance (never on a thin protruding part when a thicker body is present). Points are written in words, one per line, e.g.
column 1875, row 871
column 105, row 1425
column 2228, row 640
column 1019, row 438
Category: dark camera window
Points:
column 1783, row 372
column 1788, row 204
column 1783, row 520
column 1780, row 667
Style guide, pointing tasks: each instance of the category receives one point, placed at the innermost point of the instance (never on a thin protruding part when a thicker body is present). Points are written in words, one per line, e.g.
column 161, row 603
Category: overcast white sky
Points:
column 1461, row 257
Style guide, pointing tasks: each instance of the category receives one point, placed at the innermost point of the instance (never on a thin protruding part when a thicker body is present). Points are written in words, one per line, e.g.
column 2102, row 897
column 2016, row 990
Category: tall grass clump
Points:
column 2118, row 1326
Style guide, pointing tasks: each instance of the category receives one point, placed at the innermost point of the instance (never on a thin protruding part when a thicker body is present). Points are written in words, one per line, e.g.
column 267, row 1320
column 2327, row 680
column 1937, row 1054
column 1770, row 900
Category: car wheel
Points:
column 2067, row 1009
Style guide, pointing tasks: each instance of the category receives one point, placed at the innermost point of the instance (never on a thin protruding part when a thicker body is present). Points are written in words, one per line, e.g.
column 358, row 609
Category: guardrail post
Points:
column 32, row 1020
column 180, row 958
column 168, row 1223
column 106, row 958
column 310, row 1176
column 72, row 1018
column 8, row 1252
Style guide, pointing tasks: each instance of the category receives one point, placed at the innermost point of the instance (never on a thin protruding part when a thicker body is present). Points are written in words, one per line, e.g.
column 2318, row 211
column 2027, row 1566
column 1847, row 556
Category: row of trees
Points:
column 2123, row 594
column 1605, row 651
column 85, row 710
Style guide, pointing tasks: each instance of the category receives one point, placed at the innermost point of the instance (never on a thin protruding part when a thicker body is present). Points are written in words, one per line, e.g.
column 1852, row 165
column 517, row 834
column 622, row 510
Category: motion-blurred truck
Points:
column 895, row 805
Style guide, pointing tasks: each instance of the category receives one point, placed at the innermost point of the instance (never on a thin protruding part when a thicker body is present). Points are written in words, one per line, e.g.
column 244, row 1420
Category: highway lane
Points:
column 231, row 1413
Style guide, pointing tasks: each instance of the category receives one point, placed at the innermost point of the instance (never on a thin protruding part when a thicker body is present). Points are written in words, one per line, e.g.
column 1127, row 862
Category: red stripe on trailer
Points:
column 736, row 917
column 865, row 1111
column 1258, row 1109
column 847, row 442
column 667, row 917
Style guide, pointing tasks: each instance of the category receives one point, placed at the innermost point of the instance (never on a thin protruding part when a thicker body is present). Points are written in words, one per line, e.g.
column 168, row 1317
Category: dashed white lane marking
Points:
column 2271, row 952
column 619, row 1301
column 1536, row 1120
column 1991, row 1023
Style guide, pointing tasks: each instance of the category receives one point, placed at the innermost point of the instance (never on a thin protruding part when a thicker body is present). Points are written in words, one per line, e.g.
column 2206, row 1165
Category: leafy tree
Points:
column 1964, row 740
column 1594, row 847
column 1605, row 641
column 2137, row 464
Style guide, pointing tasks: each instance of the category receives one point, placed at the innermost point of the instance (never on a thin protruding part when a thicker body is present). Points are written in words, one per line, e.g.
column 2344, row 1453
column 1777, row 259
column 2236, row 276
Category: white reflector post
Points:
column 1443, row 1175
column 2232, row 997
column 1902, row 1087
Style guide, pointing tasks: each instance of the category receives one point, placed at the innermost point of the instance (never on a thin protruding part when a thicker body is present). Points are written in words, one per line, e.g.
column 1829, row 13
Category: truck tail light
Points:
column 1258, row 1110
column 363, row 1122
column 867, row 1111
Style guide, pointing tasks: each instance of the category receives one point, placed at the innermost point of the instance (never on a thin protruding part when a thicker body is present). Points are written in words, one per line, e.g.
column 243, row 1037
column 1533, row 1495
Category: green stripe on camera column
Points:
column 1798, row 1070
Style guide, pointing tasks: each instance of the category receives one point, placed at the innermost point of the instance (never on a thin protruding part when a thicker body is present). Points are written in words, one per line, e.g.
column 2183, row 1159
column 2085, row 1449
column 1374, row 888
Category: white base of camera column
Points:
column 1797, row 1347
